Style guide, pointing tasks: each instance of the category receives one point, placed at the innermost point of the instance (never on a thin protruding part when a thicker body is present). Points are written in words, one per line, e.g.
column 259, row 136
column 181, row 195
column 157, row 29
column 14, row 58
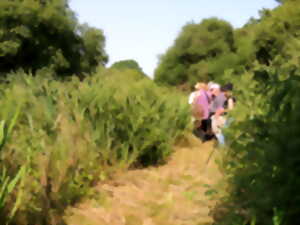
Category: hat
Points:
column 214, row 86
column 227, row 87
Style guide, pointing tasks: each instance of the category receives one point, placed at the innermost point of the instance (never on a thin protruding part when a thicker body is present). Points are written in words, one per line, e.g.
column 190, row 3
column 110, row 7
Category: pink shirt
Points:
column 203, row 101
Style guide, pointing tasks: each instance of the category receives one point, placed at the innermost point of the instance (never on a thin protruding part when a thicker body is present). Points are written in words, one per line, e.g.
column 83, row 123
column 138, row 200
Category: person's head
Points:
column 227, row 89
column 215, row 89
column 201, row 86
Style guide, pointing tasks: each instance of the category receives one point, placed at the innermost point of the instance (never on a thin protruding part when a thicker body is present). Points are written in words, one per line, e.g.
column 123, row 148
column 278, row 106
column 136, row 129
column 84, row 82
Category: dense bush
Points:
column 72, row 134
column 262, row 161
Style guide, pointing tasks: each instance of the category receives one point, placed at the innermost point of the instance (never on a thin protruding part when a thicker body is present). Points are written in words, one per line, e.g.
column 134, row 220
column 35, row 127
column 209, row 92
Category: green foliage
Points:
column 262, row 161
column 93, row 42
column 201, row 52
column 72, row 134
column 128, row 68
column 8, row 184
column 127, row 64
column 36, row 34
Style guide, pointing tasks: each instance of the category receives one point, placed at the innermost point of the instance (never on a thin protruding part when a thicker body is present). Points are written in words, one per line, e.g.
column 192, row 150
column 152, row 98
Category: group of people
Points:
column 210, row 104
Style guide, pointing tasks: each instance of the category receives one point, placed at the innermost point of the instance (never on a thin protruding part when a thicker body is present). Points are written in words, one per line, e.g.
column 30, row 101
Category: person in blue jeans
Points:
column 223, row 103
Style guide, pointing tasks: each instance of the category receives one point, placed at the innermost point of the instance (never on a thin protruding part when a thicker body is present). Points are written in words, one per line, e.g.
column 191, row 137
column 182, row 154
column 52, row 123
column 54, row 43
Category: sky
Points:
column 142, row 30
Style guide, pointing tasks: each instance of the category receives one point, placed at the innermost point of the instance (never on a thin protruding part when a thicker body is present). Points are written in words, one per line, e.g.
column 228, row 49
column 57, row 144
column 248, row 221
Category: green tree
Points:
column 37, row 34
column 129, row 67
column 201, row 52
column 93, row 46
column 127, row 64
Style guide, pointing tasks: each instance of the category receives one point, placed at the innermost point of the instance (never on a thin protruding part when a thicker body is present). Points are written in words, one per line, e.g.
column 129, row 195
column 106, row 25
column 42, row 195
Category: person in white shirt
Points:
column 195, row 93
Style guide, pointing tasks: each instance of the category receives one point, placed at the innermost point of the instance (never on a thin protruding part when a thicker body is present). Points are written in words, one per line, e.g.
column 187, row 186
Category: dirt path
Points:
column 172, row 194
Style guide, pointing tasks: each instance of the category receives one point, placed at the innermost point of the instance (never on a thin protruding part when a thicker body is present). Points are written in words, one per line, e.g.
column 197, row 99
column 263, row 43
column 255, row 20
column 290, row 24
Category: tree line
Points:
column 205, row 51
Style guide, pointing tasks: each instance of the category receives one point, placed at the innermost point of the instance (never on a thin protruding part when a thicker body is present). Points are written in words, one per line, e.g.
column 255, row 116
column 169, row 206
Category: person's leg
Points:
column 206, row 128
column 204, row 125
column 209, row 133
column 202, row 130
column 221, row 139
column 198, row 132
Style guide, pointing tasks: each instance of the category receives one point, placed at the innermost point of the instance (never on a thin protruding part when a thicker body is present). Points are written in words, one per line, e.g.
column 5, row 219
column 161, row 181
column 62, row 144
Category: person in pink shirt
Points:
column 203, row 101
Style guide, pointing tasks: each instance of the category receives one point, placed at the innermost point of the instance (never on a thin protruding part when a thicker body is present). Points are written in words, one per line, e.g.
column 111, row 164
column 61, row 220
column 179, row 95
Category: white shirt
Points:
column 192, row 96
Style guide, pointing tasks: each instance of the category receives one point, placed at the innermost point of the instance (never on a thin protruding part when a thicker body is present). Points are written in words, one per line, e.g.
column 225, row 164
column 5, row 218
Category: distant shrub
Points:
column 128, row 64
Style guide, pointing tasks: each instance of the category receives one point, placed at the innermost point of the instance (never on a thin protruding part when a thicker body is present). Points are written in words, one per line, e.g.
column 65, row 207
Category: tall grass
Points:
column 72, row 134
column 8, row 183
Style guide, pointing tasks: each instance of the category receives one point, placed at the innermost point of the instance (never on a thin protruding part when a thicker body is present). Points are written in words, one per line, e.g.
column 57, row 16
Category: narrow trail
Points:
column 172, row 194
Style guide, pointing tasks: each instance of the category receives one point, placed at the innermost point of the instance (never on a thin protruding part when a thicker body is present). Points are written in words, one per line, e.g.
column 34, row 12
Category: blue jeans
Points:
column 220, row 136
column 221, row 139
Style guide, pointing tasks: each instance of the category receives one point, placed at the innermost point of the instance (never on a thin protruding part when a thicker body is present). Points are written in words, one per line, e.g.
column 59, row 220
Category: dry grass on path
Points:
column 172, row 194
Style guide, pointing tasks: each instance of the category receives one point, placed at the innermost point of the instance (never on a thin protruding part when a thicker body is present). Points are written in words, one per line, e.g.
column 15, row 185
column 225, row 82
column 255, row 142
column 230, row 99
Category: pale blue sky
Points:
column 142, row 30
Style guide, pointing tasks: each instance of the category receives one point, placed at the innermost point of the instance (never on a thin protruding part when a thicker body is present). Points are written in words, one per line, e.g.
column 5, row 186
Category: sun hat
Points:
column 214, row 86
